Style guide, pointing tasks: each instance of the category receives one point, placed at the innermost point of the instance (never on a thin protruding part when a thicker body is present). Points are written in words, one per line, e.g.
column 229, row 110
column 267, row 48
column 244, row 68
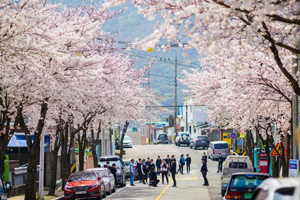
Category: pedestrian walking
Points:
column 180, row 164
column 204, row 156
column 164, row 170
column 132, row 172
column 188, row 163
column 144, row 170
column 153, row 178
column 158, row 163
column 220, row 162
column 204, row 172
column 173, row 172
column 168, row 161
column 138, row 166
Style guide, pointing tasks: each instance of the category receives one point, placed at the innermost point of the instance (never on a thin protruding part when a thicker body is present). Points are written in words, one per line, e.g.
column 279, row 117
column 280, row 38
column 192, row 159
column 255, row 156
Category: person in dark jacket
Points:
column 113, row 170
column 138, row 167
column 173, row 172
column 188, row 163
column 204, row 172
column 158, row 163
column 204, row 156
column 153, row 178
column 181, row 164
column 173, row 158
column 168, row 161
column 151, row 165
column 144, row 170
column 220, row 162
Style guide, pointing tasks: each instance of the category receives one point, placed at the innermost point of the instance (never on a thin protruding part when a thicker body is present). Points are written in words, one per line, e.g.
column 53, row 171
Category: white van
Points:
column 217, row 147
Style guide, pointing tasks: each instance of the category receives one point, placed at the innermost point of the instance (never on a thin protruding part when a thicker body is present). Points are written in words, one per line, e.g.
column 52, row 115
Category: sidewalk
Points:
column 59, row 195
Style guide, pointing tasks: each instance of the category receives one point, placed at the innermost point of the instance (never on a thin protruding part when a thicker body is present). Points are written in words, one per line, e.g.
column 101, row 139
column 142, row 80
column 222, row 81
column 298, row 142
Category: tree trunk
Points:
column 65, row 158
column 82, row 143
column 94, row 142
column 122, row 138
column 33, row 152
column 54, row 153
column 250, row 146
column 275, row 167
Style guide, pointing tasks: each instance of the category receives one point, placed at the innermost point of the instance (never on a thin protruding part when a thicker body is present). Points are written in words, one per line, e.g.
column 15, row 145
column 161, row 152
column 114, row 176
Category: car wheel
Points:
column 109, row 191
column 104, row 193
column 179, row 144
column 191, row 147
column 195, row 148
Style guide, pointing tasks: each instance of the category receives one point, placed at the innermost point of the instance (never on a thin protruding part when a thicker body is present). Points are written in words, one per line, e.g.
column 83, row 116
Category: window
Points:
column 246, row 181
column 284, row 193
column 236, row 165
column 82, row 177
column 221, row 146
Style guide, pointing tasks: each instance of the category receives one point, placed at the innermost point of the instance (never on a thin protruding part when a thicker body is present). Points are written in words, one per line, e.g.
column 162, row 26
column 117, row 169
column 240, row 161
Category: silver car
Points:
column 276, row 189
column 127, row 142
column 217, row 147
column 107, row 177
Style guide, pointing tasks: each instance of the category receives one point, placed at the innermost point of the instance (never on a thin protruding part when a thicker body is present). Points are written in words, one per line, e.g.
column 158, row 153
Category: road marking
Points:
column 136, row 148
column 158, row 198
column 188, row 179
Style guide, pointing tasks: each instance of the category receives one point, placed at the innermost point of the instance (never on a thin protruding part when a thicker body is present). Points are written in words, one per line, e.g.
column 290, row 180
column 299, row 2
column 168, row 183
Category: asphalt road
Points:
column 189, row 186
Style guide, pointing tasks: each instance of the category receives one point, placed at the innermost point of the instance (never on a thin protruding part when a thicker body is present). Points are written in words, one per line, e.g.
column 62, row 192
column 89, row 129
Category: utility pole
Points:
column 295, row 109
column 103, row 142
column 175, row 102
column 42, row 159
column 149, row 123
column 186, row 118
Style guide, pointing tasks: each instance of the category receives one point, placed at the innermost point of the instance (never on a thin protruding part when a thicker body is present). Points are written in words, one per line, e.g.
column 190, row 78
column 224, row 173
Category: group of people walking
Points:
column 147, row 169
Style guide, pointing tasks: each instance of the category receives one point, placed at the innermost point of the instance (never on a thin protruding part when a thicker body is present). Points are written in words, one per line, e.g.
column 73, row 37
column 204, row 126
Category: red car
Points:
column 84, row 185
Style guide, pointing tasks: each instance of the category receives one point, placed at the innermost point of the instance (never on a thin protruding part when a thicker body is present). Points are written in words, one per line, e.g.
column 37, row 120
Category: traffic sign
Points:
column 233, row 135
column 242, row 135
column 274, row 152
column 240, row 142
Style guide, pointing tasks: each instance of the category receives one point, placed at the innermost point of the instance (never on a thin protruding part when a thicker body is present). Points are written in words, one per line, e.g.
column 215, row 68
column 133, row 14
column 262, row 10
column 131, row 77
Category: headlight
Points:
column 95, row 185
column 67, row 188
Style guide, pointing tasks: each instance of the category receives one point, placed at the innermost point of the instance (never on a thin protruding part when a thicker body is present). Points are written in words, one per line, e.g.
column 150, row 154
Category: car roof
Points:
column 219, row 142
column 237, row 156
column 109, row 158
column 251, row 173
column 273, row 184
column 184, row 132
column 83, row 172
column 97, row 169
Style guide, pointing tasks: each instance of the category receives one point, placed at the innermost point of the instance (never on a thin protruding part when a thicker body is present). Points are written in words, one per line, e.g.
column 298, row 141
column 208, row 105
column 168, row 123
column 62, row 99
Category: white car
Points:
column 127, row 142
column 182, row 138
column 276, row 189
column 108, row 179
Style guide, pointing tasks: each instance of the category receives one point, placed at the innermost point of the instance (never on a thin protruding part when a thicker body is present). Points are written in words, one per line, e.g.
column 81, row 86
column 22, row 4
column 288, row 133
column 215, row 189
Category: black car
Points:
column 199, row 141
column 121, row 174
column 162, row 139
column 242, row 185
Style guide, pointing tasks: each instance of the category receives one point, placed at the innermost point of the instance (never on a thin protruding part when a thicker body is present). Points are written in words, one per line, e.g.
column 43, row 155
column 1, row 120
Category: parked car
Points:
column 127, row 142
column 4, row 188
column 107, row 177
column 217, row 147
column 234, row 164
column 242, row 185
column 276, row 189
column 199, row 141
column 182, row 138
column 120, row 176
column 84, row 185
column 162, row 139
column 126, row 168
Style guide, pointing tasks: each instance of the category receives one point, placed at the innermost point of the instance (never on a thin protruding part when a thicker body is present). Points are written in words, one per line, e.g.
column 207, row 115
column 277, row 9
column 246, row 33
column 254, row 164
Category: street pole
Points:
column 149, row 123
column 295, row 109
column 103, row 141
column 114, row 140
column 186, row 118
column 41, row 172
column 175, row 102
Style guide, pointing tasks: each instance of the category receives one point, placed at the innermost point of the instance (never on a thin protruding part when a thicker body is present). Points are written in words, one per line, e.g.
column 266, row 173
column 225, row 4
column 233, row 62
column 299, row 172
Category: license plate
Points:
column 248, row 195
column 202, row 141
column 81, row 192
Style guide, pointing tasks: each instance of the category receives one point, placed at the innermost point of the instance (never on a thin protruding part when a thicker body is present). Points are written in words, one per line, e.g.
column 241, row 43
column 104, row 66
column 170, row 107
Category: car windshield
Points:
column 162, row 136
column 82, row 177
column 127, row 137
column 221, row 146
column 247, row 181
column 201, row 138
column 101, row 172
column 111, row 163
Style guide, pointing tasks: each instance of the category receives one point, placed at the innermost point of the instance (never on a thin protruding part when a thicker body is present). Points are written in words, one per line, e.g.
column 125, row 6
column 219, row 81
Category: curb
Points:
column 59, row 198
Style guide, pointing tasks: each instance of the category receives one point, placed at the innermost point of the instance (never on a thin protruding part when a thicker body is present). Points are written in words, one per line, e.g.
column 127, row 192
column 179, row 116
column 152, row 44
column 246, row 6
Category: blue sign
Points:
column 240, row 142
column 233, row 135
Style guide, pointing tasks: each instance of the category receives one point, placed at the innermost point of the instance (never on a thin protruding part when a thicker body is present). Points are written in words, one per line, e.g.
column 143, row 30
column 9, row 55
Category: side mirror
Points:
column 99, row 178
column 7, row 186
column 66, row 180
